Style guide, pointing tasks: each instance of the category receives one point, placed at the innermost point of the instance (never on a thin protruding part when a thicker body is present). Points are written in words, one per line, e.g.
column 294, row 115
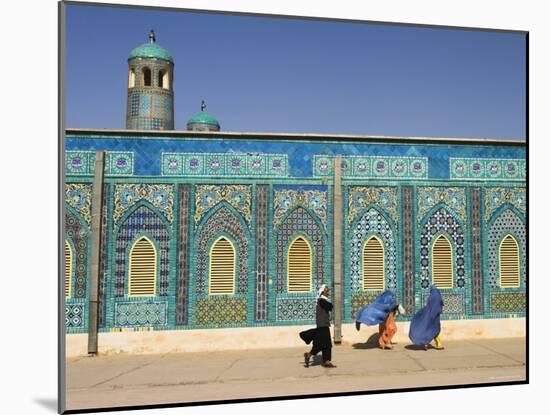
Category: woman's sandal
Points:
column 329, row 365
column 306, row 359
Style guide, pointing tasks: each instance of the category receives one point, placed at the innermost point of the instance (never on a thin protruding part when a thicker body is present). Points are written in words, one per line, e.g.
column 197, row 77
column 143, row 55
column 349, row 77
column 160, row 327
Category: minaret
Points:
column 150, row 88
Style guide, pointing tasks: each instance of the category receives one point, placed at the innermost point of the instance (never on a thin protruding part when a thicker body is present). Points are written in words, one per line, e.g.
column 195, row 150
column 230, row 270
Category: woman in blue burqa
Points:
column 382, row 312
column 320, row 336
column 426, row 325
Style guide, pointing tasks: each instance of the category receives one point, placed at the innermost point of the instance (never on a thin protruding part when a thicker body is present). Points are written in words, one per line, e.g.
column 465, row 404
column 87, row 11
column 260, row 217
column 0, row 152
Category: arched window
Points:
column 508, row 258
column 222, row 267
column 373, row 265
column 146, row 76
column 163, row 79
column 299, row 266
column 68, row 268
column 442, row 263
column 131, row 78
column 143, row 269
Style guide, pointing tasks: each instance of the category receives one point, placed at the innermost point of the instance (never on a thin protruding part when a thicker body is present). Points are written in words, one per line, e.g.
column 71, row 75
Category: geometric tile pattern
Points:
column 222, row 222
column 74, row 316
column 142, row 221
column 296, row 309
column 495, row 197
column 224, row 164
column 78, row 235
column 261, row 252
column 160, row 196
column 79, row 196
column 104, row 259
column 286, row 200
column 477, row 275
column 452, row 303
column 82, row 163
column 299, row 222
column 220, row 310
column 362, row 197
column 372, row 223
column 508, row 302
column 442, row 221
column 506, row 223
column 401, row 167
column 183, row 256
column 140, row 313
column 453, row 197
column 408, row 245
column 361, row 300
column 208, row 196
column 486, row 169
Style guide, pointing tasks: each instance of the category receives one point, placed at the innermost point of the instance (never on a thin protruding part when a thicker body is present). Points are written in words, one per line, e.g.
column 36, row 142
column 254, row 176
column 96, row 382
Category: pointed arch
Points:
column 146, row 76
column 373, row 264
column 299, row 266
column 131, row 78
column 68, row 268
column 142, row 271
column 222, row 267
column 138, row 207
column 442, row 262
column 509, row 265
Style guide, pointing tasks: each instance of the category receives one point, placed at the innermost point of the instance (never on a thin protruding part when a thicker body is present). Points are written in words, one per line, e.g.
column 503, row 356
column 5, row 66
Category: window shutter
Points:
column 143, row 269
column 373, row 265
column 299, row 266
column 442, row 263
column 509, row 263
column 222, row 267
column 68, row 269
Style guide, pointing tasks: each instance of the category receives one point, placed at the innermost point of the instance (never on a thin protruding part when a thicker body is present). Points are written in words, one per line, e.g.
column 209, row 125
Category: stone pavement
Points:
column 123, row 380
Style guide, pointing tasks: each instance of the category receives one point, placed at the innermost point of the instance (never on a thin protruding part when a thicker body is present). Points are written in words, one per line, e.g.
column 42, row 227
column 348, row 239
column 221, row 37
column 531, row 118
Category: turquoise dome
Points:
column 203, row 118
column 151, row 50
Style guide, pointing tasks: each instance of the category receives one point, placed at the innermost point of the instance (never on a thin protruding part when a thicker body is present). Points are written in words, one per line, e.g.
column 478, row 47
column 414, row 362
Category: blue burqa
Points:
column 377, row 311
column 425, row 325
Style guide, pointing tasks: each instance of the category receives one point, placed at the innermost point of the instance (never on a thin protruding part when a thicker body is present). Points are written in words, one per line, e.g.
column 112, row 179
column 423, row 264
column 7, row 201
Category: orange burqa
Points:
column 387, row 330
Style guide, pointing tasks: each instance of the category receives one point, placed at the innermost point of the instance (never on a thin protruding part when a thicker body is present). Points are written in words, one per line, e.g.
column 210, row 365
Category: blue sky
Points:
column 290, row 75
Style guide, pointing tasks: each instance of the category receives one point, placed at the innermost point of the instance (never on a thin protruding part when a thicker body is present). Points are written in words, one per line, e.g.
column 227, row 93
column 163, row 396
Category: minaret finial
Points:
column 203, row 105
column 152, row 38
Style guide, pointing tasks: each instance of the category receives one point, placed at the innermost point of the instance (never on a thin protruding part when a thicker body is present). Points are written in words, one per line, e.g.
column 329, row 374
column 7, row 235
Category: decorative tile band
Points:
column 373, row 167
column 261, row 252
column 129, row 314
column 495, row 197
column 160, row 196
column 224, row 164
column 362, row 197
column 82, row 163
column 477, row 275
column 74, row 316
column 286, row 200
column 453, row 197
column 452, row 303
column 296, row 309
column 183, row 256
column 408, row 250
column 508, row 302
column 79, row 196
column 220, row 311
column 486, row 169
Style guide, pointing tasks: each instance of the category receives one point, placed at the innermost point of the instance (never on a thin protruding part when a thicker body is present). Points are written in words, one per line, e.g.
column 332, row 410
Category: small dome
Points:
column 203, row 122
column 151, row 50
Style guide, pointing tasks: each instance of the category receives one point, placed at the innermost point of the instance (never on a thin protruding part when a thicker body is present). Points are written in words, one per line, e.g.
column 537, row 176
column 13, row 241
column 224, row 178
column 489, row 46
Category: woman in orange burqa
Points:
column 388, row 328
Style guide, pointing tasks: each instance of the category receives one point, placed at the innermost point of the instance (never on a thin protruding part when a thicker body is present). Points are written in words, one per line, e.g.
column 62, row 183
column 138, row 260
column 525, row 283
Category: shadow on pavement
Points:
column 371, row 343
column 417, row 347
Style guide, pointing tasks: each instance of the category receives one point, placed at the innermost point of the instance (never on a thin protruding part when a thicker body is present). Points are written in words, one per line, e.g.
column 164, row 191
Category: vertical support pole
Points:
column 337, row 249
column 97, row 213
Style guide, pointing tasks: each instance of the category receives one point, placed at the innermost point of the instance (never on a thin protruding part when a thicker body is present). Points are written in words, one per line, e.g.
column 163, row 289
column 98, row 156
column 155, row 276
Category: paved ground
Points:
column 121, row 380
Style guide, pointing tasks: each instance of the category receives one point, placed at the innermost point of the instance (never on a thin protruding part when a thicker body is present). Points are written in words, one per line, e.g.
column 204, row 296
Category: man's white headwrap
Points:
column 320, row 292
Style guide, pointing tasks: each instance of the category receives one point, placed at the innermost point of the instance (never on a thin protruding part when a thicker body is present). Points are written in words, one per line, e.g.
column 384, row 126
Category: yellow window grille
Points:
column 442, row 263
column 373, row 265
column 143, row 269
column 509, row 262
column 222, row 267
column 299, row 266
column 68, row 268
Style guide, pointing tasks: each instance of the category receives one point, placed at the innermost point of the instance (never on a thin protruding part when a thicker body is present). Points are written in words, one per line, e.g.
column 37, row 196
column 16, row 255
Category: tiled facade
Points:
column 183, row 191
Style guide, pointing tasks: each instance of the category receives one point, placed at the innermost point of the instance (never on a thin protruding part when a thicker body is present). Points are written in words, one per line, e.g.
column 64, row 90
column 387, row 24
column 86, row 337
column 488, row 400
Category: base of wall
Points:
column 204, row 340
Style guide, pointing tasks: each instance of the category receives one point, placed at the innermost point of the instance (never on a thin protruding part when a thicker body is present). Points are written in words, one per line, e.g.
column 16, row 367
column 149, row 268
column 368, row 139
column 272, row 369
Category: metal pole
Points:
column 97, row 213
column 337, row 249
